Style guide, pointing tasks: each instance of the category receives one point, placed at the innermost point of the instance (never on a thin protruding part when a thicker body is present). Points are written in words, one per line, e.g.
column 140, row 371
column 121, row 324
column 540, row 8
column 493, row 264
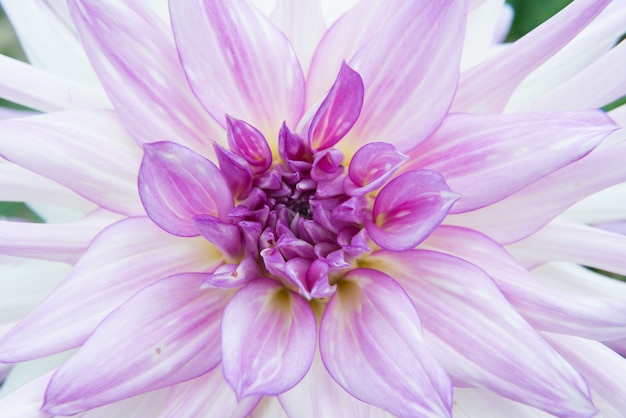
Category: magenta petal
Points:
column 139, row 348
column 371, row 166
column 236, row 170
column 245, row 140
column 408, row 208
column 371, row 344
column 268, row 339
column 225, row 236
column 339, row 111
column 175, row 184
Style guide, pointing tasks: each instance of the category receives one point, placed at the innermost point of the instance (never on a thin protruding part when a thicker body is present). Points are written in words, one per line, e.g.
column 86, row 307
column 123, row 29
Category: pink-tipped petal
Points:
column 408, row 209
column 506, row 152
column 206, row 396
column 339, row 111
column 173, row 335
column 245, row 140
column 371, row 343
column 60, row 146
column 268, row 339
column 238, row 63
column 125, row 258
column 144, row 78
column 477, row 92
column 473, row 329
column 371, row 166
column 176, row 184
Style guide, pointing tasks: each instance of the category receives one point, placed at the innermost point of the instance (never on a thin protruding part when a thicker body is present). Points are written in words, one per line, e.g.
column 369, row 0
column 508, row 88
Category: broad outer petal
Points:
column 176, row 184
column 125, row 258
column 473, row 329
column 166, row 334
column 268, row 339
column 486, row 158
column 62, row 147
column 371, row 344
column 238, row 63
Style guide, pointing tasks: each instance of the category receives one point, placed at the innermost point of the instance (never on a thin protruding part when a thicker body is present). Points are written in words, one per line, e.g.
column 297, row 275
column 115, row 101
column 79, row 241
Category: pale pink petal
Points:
column 474, row 403
column 562, row 240
column 61, row 146
column 206, row 396
column 64, row 242
column 526, row 211
column 487, row 87
column 604, row 206
column 268, row 339
column 138, row 348
column 142, row 406
column 269, row 407
column 589, row 315
column 604, row 369
column 144, row 78
column 371, row 344
column 176, row 184
column 238, row 63
column 39, row 90
column 486, row 158
column 302, row 22
column 25, row 402
column 408, row 209
column 125, row 258
column 411, row 58
column 473, row 330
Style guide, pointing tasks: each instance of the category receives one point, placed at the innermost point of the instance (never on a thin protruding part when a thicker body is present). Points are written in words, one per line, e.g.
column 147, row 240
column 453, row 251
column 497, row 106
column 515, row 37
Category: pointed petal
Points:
column 268, row 339
column 473, row 328
column 371, row 344
column 339, row 110
column 238, row 63
column 507, row 152
column 236, row 171
column 39, row 90
column 175, row 184
column 408, row 208
column 526, row 211
column 144, row 79
column 206, row 396
column 61, row 146
column 64, row 242
column 371, row 166
column 125, row 258
column 166, row 334
column 245, row 140
column 487, row 87
column 25, row 402
column 547, row 308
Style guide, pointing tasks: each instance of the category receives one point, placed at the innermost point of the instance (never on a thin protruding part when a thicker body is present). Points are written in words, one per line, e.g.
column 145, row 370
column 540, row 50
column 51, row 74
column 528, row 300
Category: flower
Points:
column 365, row 239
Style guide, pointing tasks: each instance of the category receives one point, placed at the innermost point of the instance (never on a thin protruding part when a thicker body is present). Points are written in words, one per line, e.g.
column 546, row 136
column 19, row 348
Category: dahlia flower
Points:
column 382, row 211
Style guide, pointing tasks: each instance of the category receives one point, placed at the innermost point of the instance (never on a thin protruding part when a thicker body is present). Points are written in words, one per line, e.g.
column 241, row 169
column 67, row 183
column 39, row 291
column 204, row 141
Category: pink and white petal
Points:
column 24, row 284
column 41, row 30
column 302, row 22
column 20, row 185
column 371, row 344
column 142, row 406
column 64, row 242
column 507, row 152
column 473, row 329
column 477, row 92
column 563, row 240
column 604, row 369
column 268, row 339
column 579, row 280
column 607, row 205
column 269, row 407
column 39, row 90
column 25, row 402
column 472, row 403
column 61, row 146
column 125, row 258
column 206, row 396
column 175, row 184
column 548, row 308
column 482, row 24
column 526, row 211
column 167, row 333
column 144, row 79
column 238, row 63
column 411, row 58
column 318, row 395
